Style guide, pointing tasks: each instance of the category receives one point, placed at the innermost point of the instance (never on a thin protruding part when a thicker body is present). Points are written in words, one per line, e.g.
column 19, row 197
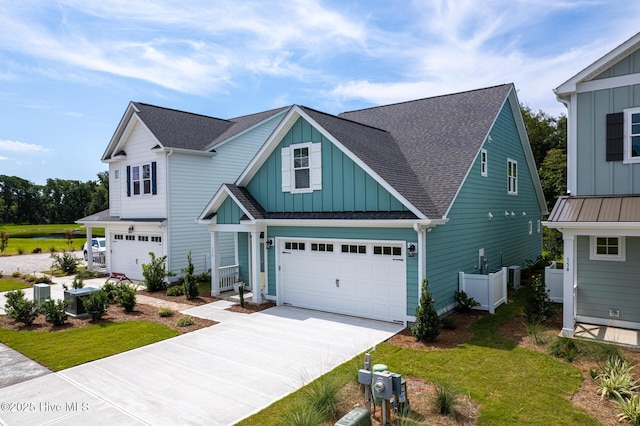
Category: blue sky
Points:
column 68, row 68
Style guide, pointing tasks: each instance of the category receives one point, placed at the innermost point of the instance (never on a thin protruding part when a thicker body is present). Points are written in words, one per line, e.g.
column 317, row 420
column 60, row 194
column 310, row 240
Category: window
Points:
column 512, row 177
column 302, row 167
column 353, row 248
column 632, row 134
column 538, row 226
column 116, row 174
column 143, row 238
column 530, row 227
column 118, row 237
column 483, row 162
column 607, row 248
column 141, row 180
column 387, row 250
column 156, row 239
column 322, row 247
column 294, row 246
column 130, row 237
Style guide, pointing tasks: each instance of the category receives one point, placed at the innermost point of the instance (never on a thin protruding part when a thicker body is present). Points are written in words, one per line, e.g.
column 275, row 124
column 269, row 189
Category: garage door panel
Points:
column 371, row 286
column 129, row 252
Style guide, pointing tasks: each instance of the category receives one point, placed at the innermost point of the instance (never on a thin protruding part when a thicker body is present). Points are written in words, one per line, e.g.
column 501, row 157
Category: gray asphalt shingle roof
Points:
column 438, row 138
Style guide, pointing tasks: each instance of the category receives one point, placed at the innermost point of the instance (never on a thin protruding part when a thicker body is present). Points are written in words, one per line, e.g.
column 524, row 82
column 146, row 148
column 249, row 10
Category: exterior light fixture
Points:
column 269, row 243
column 131, row 229
column 506, row 213
column 512, row 214
column 490, row 216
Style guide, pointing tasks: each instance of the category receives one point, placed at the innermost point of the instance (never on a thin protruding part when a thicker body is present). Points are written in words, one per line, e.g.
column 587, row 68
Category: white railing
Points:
column 228, row 275
column 553, row 280
column 489, row 290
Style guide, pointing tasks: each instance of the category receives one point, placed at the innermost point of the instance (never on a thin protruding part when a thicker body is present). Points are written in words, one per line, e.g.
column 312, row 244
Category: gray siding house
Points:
column 600, row 218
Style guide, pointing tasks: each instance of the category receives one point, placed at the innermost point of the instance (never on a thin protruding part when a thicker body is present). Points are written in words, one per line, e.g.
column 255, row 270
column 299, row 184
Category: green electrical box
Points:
column 355, row 417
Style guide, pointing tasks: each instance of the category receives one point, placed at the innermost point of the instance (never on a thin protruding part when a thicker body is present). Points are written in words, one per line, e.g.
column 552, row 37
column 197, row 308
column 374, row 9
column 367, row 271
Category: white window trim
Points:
column 511, row 191
column 628, row 158
column 315, row 168
column 141, row 180
column 538, row 226
column 530, row 227
column 620, row 257
column 483, row 163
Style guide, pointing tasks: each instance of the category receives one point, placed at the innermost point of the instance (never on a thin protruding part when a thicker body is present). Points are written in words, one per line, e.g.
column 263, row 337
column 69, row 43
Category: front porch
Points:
column 608, row 334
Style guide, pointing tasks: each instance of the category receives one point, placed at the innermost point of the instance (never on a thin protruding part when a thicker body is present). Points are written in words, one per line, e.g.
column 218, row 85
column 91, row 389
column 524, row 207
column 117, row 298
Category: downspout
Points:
column 168, row 196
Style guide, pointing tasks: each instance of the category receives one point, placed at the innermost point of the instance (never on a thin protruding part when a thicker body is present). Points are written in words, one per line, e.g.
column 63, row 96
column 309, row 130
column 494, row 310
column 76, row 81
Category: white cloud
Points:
column 3, row 158
column 23, row 147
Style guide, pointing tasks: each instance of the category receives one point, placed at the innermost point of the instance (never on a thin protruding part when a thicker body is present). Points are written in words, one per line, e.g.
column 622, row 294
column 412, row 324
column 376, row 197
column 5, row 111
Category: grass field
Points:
column 24, row 239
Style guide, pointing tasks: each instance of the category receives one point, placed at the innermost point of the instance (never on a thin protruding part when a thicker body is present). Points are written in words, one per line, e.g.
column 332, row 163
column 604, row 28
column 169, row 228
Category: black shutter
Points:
column 128, row 181
column 154, row 187
column 615, row 136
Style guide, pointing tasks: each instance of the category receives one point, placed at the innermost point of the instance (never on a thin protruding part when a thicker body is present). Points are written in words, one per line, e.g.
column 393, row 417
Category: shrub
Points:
column 126, row 296
column 465, row 303
column 428, row 324
column 535, row 332
column 564, row 347
column 175, row 290
column 155, row 273
column 630, row 410
column 184, row 321
column 96, row 304
column 36, row 250
column 322, row 396
column 4, row 241
column 67, row 263
column 20, row 250
column 204, row 277
column 615, row 379
column 19, row 308
column 111, row 290
column 30, row 278
column 445, row 399
column 55, row 311
column 537, row 265
column 52, row 249
column 302, row 414
column 538, row 307
column 165, row 312
column 190, row 284
column 77, row 283
column 15, row 274
column 44, row 279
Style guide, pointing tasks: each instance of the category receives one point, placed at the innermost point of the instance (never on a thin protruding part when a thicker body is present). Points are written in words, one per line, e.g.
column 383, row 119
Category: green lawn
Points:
column 8, row 285
column 24, row 239
column 511, row 385
column 63, row 349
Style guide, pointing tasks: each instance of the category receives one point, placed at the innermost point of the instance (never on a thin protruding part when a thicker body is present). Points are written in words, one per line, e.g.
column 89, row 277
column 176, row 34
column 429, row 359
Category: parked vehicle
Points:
column 99, row 245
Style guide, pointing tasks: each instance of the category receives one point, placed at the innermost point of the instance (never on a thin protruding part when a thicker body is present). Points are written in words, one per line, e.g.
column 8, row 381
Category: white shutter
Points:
column 285, row 154
column 316, row 166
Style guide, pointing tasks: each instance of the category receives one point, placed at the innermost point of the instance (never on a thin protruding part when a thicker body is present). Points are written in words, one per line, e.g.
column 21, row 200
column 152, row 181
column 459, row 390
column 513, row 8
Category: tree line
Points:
column 58, row 201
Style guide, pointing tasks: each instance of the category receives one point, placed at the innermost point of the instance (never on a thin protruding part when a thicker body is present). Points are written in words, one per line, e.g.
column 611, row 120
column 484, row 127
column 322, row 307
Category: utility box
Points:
column 41, row 292
column 382, row 385
column 74, row 297
column 355, row 417
column 364, row 377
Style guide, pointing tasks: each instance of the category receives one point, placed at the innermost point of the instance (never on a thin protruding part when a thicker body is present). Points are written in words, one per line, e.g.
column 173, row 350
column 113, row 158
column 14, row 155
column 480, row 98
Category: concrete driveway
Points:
column 214, row 376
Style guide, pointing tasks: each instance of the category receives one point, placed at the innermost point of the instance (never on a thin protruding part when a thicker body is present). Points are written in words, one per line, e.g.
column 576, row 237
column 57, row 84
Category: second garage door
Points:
column 360, row 278
column 130, row 251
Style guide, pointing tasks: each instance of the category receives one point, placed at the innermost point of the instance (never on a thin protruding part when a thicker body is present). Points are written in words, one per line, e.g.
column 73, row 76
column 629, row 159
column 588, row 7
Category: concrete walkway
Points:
column 214, row 376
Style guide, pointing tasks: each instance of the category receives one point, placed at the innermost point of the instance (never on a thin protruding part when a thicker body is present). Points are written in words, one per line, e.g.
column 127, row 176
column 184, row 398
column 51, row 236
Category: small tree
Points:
column 55, row 311
column 428, row 323
column 4, row 241
column 19, row 308
column 538, row 308
column 67, row 263
column 155, row 273
column 190, row 284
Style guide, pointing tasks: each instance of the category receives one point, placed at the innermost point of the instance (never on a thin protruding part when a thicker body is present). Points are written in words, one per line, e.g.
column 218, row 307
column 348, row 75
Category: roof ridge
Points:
column 181, row 111
column 344, row 119
column 259, row 112
column 429, row 97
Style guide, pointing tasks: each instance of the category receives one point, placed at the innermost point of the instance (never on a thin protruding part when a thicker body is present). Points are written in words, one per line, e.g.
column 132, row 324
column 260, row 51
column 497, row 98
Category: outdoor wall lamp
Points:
column 490, row 216
column 269, row 243
column 506, row 213
column 131, row 229
column 524, row 213
column 411, row 249
column 512, row 214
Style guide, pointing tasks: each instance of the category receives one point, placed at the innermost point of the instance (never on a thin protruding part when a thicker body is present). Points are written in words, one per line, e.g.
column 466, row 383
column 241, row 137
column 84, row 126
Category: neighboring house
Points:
column 600, row 219
column 163, row 166
column 349, row 213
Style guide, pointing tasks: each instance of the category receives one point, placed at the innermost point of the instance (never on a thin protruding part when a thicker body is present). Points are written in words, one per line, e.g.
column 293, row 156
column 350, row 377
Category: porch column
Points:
column 215, row 274
column 255, row 267
column 89, row 249
column 569, row 286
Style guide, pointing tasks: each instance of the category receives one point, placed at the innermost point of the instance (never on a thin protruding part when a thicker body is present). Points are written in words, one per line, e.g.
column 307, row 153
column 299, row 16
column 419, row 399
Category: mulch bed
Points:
column 204, row 299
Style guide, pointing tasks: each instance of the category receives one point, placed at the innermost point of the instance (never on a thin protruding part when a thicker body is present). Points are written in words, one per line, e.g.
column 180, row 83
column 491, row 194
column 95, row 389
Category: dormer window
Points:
column 302, row 167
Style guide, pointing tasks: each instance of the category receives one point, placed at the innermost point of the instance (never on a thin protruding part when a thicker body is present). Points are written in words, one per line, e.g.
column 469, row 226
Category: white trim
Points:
column 188, row 151
column 628, row 158
column 484, row 160
column 608, row 322
column 620, row 257
column 292, row 169
column 530, row 227
column 356, row 223
column 512, row 189
column 608, row 83
column 613, row 229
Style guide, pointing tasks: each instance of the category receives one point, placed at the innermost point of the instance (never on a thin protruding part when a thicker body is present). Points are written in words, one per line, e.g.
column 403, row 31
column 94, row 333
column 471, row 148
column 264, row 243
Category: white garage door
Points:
column 130, row 251
column 360, row 278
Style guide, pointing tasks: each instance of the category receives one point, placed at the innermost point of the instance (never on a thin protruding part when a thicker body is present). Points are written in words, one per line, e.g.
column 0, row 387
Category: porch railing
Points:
column 228, row 275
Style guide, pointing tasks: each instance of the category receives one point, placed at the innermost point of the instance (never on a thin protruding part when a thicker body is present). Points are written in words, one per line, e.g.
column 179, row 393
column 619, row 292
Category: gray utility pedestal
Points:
column 41, row 292
column 74, row 296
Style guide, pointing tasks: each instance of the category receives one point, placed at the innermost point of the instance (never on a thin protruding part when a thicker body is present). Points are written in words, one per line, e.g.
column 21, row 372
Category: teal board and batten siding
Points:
column 243, row 256
column 596, row 176
column 345, row 185
column 395, row 234
column 604, row 285
column 229, row 213
column 453, row 247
